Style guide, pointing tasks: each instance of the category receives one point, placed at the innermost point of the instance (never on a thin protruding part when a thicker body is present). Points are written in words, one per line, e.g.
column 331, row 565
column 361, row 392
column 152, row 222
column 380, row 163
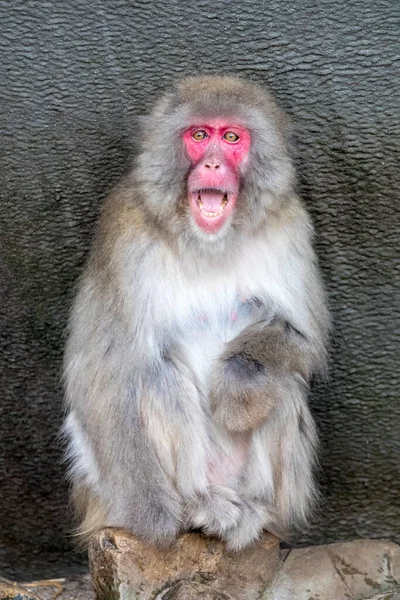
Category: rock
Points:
column 74, row 587
column 124, row 568
column 8, row 591
column 393, row 595
column 190, row 590
column 345, row 571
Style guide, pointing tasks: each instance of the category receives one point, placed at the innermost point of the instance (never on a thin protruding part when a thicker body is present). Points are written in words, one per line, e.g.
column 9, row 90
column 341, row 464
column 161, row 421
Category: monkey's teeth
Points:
column 206, row 213
column 212, row 214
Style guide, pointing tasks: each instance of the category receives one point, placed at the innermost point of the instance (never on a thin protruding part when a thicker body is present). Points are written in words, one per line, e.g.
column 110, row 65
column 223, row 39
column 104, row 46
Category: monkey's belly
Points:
column 203, row 342
column 206, row 334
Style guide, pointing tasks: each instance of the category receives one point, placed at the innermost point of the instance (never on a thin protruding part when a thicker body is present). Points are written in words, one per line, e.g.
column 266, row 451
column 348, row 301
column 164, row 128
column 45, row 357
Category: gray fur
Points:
column 181, row 416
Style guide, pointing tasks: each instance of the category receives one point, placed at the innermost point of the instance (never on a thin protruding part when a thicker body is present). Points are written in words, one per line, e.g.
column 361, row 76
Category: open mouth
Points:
column 212, row 202
column 211, row 207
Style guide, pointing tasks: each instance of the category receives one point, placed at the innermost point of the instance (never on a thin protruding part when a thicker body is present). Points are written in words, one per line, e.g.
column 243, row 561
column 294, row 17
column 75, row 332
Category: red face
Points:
column 217, row 150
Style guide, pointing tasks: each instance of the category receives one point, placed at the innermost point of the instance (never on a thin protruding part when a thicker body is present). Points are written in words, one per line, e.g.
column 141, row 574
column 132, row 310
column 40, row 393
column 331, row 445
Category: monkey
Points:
column 199, row 321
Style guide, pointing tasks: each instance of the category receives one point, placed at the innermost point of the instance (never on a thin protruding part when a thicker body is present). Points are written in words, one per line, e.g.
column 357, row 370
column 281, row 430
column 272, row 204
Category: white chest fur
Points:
column 201, row 314
column 203, row 336
column 202, row 307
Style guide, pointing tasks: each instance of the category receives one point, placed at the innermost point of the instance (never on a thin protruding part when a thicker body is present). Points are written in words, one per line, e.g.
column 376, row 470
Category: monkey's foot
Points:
column 254, row 518
column 215, row 512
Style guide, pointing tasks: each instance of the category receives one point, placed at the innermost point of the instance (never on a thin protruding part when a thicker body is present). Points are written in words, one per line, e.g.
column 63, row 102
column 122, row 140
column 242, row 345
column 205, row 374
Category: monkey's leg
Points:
column 220, row 507
column 137, row 444
column 252, row 373
column 173, row 417
column 118, row 480
column 211, row 502
column 178, row 420
column 238, row 513
column 291, row 440
column 256, row 491
column 281, row 464
column 277, row 489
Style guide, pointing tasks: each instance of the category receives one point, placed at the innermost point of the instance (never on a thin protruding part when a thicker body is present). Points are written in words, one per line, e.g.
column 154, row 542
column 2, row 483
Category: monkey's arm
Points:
column 255, row 369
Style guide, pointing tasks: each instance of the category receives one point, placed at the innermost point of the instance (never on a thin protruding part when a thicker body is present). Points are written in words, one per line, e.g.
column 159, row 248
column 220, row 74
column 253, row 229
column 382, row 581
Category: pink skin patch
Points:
column 224, row 469
column 217, row 151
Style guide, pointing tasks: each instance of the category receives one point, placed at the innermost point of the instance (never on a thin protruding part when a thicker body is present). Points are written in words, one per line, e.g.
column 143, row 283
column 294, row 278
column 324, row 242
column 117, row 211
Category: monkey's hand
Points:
column 253, row 372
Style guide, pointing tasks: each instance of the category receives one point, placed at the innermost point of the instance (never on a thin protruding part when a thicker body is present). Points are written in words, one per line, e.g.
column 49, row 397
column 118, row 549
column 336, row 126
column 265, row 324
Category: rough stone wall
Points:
column 74, row 76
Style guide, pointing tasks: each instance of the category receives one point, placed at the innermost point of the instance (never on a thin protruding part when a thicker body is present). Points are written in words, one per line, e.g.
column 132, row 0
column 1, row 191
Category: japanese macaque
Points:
column 199, row 322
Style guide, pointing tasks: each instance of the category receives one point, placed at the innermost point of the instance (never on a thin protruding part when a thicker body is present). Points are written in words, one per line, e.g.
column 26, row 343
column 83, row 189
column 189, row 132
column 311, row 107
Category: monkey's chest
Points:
column 204, row 335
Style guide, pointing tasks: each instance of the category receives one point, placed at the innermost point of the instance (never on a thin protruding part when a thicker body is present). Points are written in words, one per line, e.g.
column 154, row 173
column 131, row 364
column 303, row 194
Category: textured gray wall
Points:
column 74, row 76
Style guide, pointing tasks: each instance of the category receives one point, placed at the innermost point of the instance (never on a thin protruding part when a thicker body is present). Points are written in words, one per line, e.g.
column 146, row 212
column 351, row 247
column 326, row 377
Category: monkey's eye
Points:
column 199, row 136
column 231, row 137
